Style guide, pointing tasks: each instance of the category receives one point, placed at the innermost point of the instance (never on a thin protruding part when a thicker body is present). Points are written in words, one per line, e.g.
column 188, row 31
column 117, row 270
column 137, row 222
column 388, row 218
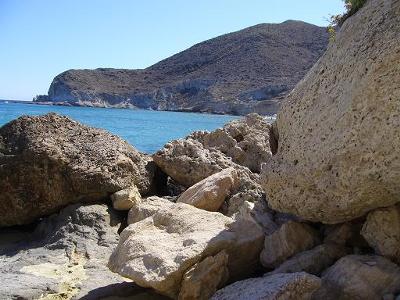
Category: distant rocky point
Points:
column 246, row 71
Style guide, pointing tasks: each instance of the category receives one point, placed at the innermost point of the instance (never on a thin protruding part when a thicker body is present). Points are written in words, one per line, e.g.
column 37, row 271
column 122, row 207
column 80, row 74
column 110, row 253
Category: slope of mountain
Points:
column 245, row 71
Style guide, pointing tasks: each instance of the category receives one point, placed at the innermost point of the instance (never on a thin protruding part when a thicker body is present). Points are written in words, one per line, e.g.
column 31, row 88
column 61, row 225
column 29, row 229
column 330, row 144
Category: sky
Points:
column 42, row 38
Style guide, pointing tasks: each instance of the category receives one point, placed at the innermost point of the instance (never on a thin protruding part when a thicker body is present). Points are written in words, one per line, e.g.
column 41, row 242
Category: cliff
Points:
column 237, row 73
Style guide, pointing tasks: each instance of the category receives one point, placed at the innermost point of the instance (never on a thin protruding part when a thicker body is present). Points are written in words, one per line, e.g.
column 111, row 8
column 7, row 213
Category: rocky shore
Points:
column 305, row 208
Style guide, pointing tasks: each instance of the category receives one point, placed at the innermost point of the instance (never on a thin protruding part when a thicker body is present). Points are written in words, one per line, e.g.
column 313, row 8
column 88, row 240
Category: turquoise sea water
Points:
column 147, row 130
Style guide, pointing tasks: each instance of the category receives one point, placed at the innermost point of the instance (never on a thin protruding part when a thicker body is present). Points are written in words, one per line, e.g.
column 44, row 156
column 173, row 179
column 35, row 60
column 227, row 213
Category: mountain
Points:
column 250, row 70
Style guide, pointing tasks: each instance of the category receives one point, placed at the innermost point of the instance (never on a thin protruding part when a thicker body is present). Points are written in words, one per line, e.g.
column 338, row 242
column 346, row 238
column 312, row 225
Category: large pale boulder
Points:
column 211, row 192
column 289, row 239
column 157, row 251
column 49, row 161
column 382, row 231
column 294, row 286
column 366, row 277
column 339, row 130
column 64, row 257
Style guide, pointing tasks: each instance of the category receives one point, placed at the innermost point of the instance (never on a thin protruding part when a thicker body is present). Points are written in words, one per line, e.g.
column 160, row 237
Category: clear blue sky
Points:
column 42, row 38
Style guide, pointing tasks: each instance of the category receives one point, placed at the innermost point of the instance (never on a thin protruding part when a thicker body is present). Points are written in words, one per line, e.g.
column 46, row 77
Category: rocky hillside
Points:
column 237, row 73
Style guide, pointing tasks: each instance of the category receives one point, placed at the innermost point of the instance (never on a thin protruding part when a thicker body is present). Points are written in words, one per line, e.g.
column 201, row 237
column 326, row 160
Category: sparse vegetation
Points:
column 352, row 6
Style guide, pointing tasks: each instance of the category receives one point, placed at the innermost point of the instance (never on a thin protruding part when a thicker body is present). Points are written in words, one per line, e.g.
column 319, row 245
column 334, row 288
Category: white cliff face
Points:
column 339, row 130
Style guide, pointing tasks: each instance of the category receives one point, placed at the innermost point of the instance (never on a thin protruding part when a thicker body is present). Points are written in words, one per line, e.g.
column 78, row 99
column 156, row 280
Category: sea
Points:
column 148, row 131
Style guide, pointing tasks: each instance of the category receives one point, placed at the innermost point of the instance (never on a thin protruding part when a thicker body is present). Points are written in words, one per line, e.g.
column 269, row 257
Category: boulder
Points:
column 211, row 192
column 382, row 232
column 312, row 261
column 243, row 144
column 205, row 277
column 49, row 161
column 64, row 257
column 147, row 208
column 247, row 141
column 339, row 131
column 288, row 240
column 188, row 162
column 125, row 199
column 157, row 251
column 294, row 286
column 366, row 277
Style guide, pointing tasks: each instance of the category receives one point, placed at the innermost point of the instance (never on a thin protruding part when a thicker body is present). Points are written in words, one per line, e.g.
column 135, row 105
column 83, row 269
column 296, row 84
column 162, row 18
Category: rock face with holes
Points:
column 243, row 144
column 360, row 277
column 339, row 130
column 382, row 231
column 211, row 192
column 247, row 141
column 64, row 257
column 49, row 161
column 161, row 246
column 294, row 286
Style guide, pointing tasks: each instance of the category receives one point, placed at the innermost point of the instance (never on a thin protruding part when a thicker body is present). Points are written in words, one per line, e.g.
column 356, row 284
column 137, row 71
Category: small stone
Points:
column 211, row 192
column 125, row 199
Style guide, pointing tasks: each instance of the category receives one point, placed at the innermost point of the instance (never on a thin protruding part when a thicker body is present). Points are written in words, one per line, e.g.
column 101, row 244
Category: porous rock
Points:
column 243, row 144
column 339, row 131
column 49, row 161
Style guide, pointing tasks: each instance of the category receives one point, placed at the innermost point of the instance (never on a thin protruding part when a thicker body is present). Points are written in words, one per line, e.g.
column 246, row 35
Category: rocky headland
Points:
column 305, row 208
column 250, row 70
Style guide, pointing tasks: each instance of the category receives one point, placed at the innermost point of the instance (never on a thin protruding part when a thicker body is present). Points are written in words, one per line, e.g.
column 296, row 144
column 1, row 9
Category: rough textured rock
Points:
column 359, row 277
column 290, row 239
column 50, row 161
column 125, row 199
column 187, row 162
column 313, row 261
column 236, row 73
column 147, row 208
column 65, row 257
column 157, row 251
column 204, row 278
column 247, row 141
column 295, row 286
column 243, row 144
column 211, row 192
column 339, row 131
column 382, row 232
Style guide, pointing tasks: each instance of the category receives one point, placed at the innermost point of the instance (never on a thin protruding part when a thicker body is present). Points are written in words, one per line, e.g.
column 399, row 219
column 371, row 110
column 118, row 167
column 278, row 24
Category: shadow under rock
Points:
column 122, row 291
